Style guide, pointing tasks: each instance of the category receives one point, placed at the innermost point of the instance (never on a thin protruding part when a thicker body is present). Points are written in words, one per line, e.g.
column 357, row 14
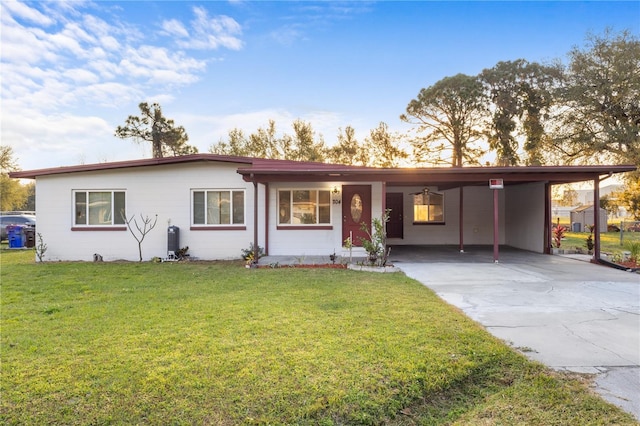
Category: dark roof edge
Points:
column 288, row 167
column 32, row 174
column 301, row 168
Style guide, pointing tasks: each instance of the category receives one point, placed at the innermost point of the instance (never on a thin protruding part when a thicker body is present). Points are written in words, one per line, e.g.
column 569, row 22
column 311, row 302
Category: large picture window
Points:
column 99, row 208
column 428, row 207
column 218, row 207
column 304, row 207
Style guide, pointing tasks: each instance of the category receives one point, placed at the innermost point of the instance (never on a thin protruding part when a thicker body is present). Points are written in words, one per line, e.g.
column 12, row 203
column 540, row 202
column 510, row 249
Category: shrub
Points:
column 634, row 249
column 558, row 235
column 589, row 242
column 376, row 243
column 248, row 254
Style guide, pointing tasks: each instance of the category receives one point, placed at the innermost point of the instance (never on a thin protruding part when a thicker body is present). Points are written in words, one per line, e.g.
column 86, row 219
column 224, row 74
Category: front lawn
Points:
column 215, row 343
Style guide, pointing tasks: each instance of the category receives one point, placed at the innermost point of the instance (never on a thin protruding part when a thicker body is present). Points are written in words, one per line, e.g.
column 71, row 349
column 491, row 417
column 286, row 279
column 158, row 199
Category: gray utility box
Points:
column 173, row 239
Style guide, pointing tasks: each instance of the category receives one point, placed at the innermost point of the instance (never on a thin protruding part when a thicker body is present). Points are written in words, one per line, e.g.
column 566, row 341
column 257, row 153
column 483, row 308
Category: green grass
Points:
column 215, row 343
column 609, row 241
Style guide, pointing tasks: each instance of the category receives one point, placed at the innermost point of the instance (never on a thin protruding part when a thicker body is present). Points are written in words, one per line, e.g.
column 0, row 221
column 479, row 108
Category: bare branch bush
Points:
column 142, row 230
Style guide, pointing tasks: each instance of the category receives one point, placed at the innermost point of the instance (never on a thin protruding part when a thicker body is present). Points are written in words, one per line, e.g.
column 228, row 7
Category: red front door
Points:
column 356, row 209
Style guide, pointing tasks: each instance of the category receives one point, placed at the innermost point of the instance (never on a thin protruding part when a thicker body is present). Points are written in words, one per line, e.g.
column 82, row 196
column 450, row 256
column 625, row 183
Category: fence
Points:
column 626, row 227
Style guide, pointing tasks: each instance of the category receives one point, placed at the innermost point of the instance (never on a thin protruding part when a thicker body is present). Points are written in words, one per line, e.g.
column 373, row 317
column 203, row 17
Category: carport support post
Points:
column 461, row 219
column 255, row 222
column 596, row 218
column 496, row 234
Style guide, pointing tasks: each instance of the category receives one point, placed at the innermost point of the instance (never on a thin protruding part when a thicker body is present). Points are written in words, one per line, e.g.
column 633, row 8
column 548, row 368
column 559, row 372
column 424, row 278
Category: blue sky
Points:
column 71, row 72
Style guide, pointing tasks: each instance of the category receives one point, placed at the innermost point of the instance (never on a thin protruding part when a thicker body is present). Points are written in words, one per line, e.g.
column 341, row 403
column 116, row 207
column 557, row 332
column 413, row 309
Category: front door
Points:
column 395, row 227
column 356, row 209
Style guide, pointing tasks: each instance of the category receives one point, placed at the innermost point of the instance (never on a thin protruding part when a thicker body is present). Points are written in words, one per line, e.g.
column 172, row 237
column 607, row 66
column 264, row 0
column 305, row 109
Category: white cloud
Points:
column 109, row 94
column 25, row 12
column 77, row 61
column 106, row 69
column 60, row 139
column 206, row 32
column 175, row 27
column 287, row 35
column 80, row 76
column 160, row 65
column 23, row 44
column 65, row 62
column 109, row 43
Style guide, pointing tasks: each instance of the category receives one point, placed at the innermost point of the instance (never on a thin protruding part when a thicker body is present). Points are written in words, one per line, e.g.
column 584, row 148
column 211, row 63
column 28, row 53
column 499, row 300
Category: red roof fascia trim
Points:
column 31, row 174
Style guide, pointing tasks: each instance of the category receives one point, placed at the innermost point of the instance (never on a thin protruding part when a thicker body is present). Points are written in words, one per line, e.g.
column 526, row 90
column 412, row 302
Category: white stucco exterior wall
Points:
column 163, row 190
column 525, row 216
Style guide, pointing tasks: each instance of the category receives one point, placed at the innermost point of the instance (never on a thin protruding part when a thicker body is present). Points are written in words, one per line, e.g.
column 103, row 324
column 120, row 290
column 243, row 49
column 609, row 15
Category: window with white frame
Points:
column 304, row 207
column 218, row 207
column 99, row 208
column 428, row 207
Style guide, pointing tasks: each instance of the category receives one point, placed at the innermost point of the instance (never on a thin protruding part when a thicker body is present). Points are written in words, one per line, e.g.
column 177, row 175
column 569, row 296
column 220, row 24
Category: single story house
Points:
column 222, row 204
column 582, row 217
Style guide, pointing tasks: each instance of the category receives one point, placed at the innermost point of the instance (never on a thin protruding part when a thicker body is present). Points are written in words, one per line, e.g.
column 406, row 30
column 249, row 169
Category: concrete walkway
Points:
column 566, row 313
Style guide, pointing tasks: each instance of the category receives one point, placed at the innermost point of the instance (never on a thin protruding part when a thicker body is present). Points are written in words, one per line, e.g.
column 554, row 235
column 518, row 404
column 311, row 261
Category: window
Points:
column 218, row 207
column 99, row 208
column 428, row 207
column 304, row 207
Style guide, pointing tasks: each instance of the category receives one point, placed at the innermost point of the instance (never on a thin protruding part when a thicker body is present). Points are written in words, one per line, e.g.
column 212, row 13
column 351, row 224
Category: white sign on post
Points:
column 496, row 184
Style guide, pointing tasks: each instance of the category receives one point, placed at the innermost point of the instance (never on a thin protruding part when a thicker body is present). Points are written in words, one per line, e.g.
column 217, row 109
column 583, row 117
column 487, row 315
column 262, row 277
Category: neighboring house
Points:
column 582, row 217
column 222, row 204
column 585, row 196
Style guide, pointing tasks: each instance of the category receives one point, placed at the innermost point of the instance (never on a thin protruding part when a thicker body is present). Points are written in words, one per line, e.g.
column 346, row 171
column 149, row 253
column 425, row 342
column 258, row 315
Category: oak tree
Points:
column 601, row 98
column 522, row 96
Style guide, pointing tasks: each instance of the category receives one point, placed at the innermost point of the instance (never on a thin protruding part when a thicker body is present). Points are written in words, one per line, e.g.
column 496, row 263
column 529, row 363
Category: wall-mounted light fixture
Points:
column 335, row 195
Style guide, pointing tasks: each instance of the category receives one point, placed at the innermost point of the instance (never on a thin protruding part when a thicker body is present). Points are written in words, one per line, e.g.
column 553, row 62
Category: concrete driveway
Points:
column 568, row 314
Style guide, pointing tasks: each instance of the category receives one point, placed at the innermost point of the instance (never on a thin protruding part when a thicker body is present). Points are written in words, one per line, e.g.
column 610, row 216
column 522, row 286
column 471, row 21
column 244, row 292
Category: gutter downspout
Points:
column 255, row 220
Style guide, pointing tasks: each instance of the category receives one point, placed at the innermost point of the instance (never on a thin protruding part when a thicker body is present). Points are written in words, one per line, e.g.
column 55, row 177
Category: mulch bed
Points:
column 305, row 266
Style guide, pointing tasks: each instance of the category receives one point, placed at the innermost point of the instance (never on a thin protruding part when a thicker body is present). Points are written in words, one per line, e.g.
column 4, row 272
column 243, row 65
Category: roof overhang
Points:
column 442, row 177
column 147, row 162
column 267, row 170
